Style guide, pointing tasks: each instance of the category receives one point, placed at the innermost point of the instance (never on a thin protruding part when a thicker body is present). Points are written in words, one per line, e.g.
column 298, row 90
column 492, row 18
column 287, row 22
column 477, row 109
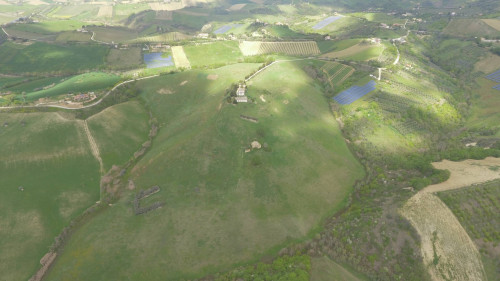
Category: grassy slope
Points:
column 42, row 57
column 330, row 46
column 214, row 53
column 484, row 109
column 324, row 269
column 120, row 59
column 119, row 131
column 50, row 157
column 49, row 27
column 222, row 206
column 469, row 27
column 80, row 83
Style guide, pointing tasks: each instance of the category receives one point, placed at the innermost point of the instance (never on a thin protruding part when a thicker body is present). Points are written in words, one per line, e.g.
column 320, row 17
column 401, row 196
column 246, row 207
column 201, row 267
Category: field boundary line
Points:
column 93, row 146
column 8, row 35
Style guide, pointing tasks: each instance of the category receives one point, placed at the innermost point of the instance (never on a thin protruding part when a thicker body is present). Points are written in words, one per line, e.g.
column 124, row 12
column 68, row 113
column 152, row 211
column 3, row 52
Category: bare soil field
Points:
column 446, row 248
column 180, row 58
column 166, row 7
column 105, row 11
column 191, row 13
column 495, row 23
column 466, row 173
column 236, row 7
column 488, row 64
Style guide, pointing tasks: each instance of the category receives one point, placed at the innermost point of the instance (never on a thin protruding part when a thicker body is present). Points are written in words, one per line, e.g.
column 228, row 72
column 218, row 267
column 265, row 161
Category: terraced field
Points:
column 252, row 48
column 337, row 72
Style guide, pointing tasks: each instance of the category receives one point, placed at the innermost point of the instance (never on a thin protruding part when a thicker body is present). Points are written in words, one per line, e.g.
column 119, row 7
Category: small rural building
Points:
column 241, row 99
column 241, row 91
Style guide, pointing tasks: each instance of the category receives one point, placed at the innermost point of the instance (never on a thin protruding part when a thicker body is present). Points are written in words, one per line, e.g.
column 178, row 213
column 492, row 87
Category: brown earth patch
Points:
column 165, row 91
column 213, row 77
column 446, row 248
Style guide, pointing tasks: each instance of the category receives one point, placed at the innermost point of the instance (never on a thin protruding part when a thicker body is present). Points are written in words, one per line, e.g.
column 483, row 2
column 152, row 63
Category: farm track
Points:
column 5, row 32
column 93, row 146
column 447, row 250
column 83, row 107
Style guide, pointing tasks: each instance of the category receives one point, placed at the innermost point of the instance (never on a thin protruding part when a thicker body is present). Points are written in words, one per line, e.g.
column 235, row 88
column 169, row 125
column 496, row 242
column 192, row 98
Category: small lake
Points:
column 154, row 60
column 326, row 22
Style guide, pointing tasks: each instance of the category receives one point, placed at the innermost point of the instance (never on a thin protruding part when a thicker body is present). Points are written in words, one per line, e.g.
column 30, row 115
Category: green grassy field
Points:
column 218, row 53
column 119, row 131
column 484, row 110
column 123, row 59
column 43, row 57
column 48, row 27
column 379, row 17
column 113, row 34
column 324, row 269
column 34, row 84
column 60, row 179
column 81, row 83
column 469, row 27
column 223, row 206
column 73, row 36
column 330, row 46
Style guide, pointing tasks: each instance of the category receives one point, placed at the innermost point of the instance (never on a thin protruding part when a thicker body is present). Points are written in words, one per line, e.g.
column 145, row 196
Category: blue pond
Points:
column 354, row 93
column 226, row 28
column 326, row 22
column 154, row 60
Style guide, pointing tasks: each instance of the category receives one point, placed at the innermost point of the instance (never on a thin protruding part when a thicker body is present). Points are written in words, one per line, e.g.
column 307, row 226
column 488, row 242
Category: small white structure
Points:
column 241, row 90
column 240, row 93
column 241, row 99
column 256, row 144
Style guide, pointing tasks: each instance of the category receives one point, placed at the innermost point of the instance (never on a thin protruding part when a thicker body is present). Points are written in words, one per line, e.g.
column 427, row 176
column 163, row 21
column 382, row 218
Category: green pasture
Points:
column 371, row 53
column 336, row 45
column 48, row 27
column 223, row 206
column 325, row 269
column 213, row 54
column 469, row 28
column 380, row 18
column 337, row 27
column 33, row 84
column 58, row 59
column 484, row 109
column 113, row 34
column 119, row 131
column 73, row 36
column 124, row 59
column 80, row 83
column 76, row 12
column 50, row 158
